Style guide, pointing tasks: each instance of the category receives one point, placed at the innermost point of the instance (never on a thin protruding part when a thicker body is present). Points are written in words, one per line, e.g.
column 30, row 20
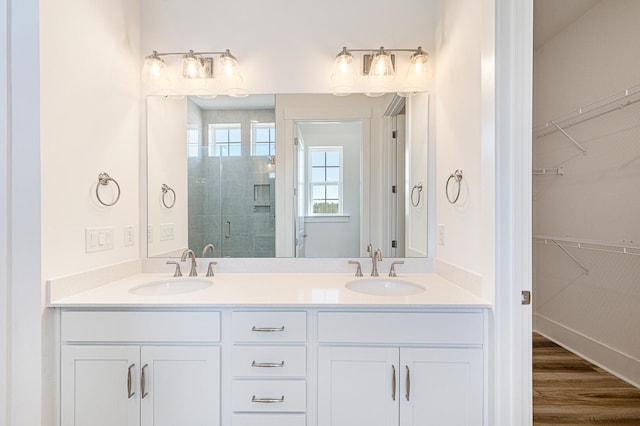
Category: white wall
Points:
column 166, row 154
column 458, row 109
column 597, row 199
column 90, row 124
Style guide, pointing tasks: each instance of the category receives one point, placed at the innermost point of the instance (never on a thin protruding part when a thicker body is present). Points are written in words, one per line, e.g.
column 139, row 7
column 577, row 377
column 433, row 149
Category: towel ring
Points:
column 165, row 190
column 103, row 180
column 457, row 175
column 419, row 188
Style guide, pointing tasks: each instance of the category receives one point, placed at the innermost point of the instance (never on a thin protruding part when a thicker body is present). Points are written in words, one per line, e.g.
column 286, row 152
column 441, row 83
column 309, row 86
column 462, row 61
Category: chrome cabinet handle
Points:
column 228, row 233
column 267, row 400
column 143, row 381
column 393, row 383
column 267, row 364
column 129, row 393
column 267, row 329
column 408, row 395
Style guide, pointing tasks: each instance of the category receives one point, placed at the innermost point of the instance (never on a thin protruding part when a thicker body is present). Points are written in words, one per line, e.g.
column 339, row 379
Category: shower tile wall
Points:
column 232, row 196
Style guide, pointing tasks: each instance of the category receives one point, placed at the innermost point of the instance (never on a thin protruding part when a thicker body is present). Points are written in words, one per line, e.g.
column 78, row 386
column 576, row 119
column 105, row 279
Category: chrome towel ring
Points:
column 419, row 188
column 103, row 180
column 165, row 190
column 457, row 175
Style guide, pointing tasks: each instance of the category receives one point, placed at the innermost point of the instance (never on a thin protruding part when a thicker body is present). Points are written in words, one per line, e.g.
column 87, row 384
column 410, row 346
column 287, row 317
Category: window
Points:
column 225, row 140
column 193, row 142
column 263, row 139
column 325, row 180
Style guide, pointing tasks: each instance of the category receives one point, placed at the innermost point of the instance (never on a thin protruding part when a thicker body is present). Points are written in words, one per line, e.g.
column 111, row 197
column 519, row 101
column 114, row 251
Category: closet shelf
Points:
column 565, row 242
column 606, row 105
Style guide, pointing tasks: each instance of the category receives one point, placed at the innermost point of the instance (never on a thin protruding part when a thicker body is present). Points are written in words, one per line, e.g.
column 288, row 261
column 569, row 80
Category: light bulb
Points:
column 416, row 77
column 229, row 74
column 154, row 71
column 381, row 74
column 344, row 73
column 191, row 66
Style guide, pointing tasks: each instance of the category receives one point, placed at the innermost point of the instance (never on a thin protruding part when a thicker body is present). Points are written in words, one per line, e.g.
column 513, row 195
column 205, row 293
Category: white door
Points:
column 99, row 386
column 417, row 122
column 299, row 183
column 181, row 386
column 441, row 386
column 358, row 386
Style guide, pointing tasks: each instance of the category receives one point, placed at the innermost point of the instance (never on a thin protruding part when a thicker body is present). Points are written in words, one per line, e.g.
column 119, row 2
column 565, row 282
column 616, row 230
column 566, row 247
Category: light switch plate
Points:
column 98, row 239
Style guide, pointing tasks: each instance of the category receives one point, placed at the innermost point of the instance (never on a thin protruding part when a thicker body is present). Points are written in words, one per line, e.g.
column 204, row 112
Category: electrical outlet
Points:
column 441, row 235
column 128, row 236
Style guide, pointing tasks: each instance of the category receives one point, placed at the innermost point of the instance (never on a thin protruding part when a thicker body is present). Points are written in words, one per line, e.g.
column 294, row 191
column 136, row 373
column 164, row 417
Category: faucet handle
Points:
column 392, row 271
column 210, row 269
column 178, row 272
column 359, row 269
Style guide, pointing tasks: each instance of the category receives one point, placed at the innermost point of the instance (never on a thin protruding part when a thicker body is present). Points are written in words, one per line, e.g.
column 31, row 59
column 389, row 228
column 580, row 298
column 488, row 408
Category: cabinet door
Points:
column 441, row 386
column 358, row 386
column 180, row 386
column 98, row 385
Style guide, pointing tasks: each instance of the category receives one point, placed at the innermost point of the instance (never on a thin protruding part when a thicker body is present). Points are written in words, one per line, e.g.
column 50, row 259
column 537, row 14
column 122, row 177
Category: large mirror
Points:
column 287, row 175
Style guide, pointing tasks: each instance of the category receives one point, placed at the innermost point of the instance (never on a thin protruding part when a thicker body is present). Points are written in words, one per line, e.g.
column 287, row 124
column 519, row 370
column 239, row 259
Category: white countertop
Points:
column 272, row 290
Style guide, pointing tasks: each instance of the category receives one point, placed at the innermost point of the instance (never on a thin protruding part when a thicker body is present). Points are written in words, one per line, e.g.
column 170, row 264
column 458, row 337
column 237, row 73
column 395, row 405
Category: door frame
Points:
column 511, row 383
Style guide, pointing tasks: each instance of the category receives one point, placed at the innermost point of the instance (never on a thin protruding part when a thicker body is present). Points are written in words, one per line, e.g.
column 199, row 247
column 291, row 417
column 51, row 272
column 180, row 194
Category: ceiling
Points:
column 550, row 17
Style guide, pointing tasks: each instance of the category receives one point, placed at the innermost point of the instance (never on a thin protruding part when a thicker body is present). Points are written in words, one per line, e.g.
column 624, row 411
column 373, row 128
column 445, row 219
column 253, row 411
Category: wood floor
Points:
column 568, row 390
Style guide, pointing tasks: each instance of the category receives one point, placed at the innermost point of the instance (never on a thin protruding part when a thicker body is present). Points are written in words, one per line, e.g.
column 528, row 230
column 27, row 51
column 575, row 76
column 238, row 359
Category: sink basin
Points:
column 170, row 286
column 384, row 287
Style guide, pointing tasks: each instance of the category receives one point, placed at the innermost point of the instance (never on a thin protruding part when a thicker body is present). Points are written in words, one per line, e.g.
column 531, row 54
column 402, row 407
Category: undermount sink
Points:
column 171, row 286
column 384, row 287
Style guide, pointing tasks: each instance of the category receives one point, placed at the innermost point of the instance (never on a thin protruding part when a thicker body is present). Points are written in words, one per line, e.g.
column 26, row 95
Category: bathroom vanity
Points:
column 272, row 349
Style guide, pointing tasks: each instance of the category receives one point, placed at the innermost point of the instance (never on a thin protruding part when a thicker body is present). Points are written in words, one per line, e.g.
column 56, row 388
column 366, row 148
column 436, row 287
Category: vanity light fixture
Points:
column 379, row 68
column 196, row 66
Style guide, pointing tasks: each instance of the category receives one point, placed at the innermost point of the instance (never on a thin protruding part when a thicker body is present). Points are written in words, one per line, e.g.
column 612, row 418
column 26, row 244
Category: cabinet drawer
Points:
column 269, row 326
column 268, row 420
column 269, row 395
column 464, row 328
column 129, row 326
column 269, row 361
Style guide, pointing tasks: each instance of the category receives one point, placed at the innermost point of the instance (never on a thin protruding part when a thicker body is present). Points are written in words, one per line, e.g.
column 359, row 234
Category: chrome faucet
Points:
column 192, row 272
column 207, row 247
column 375, row 258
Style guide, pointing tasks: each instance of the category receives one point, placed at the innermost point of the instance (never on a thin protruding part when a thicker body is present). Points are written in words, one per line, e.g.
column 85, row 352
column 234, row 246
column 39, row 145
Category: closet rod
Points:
column 546, row 171
column 590, row 111
column 587, row 245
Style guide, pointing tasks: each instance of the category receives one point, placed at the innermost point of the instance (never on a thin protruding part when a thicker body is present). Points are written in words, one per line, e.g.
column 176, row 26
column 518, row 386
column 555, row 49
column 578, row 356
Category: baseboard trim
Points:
column 613, row 361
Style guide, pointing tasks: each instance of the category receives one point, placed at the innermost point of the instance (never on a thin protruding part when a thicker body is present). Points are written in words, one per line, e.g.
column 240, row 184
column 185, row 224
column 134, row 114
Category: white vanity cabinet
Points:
column 140, row 368
column 269, row 368
column 310, row 366
column 408, row 369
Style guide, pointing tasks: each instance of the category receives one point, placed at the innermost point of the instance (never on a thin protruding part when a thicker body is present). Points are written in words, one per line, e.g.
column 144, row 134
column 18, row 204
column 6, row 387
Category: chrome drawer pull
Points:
column 267, row 364
column 267, row 329
column 129, row 393
column 143, row 382
column 267, row 400
column 393, row 383
column 408, row 383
